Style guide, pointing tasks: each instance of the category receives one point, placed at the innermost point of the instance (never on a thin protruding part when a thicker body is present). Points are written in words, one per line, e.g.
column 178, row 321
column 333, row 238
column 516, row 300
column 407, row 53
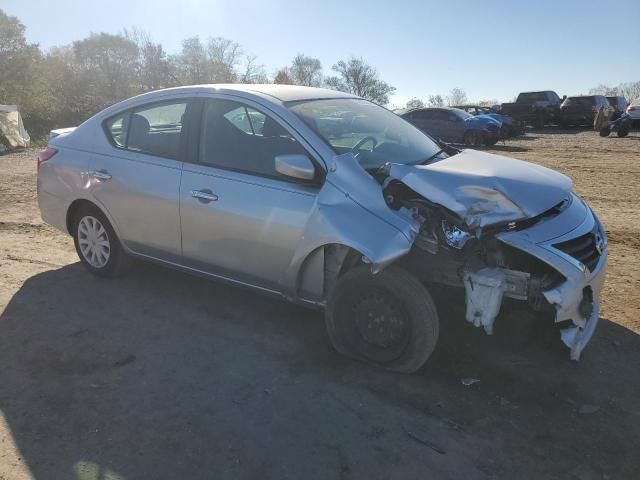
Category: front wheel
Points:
column 96, row 243
column 605, row 131
column 623, row 131
column 387, row 319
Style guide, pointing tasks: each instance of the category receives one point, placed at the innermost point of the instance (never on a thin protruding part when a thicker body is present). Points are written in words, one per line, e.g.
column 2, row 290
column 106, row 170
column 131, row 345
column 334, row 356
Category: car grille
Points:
column 583, row 248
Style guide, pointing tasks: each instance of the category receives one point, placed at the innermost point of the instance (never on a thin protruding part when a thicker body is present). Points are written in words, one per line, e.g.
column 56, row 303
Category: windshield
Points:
column 531, row 97
column 374, row 134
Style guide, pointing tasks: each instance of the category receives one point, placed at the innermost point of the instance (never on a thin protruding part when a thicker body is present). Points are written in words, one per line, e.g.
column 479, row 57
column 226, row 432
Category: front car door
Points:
column 136, row 174
column 241, row 220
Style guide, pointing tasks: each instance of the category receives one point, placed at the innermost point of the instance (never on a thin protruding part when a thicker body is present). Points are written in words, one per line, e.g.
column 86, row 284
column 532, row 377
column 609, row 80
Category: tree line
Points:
column 66, row 85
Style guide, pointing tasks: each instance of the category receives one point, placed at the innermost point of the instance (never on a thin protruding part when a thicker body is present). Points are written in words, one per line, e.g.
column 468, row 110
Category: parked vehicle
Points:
column 634, row 112
column 582, row 110
column 510, row 128
column 329, row 200
column 534, row 108
column 455, row 126
column 619, row 105
column 622, row 125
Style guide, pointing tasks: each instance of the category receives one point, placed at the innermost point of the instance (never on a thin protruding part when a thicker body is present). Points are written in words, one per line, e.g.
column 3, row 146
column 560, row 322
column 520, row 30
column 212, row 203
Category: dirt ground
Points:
column 163, row 375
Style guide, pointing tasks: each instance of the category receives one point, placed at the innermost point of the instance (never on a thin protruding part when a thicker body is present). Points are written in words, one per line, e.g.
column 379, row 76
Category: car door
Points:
column 136, row 176
column 454, row 126
column 241, row 220
column 425, row 121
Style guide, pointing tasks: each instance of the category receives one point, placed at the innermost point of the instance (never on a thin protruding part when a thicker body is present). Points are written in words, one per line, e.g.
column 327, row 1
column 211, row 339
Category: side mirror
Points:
column 295, row 166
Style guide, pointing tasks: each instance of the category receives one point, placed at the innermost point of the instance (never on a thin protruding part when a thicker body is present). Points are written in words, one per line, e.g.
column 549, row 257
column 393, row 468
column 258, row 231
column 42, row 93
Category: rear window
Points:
column 531, row 97
column 581, row 101
column 116, row 128
column 157, row 130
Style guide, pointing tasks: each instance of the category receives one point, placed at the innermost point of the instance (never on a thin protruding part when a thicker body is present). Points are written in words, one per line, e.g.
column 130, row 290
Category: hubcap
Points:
column 93, row 241
column 380, row 321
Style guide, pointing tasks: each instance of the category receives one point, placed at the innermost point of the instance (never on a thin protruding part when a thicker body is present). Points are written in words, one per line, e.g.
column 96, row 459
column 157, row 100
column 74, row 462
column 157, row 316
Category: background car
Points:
column 455, row 126
column 634, row 111
column 535, row 108
column 510, row 128
column 582, row 110
column 619, row 105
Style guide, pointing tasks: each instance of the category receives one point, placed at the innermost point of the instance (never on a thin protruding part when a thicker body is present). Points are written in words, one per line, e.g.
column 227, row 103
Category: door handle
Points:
column 204, row 196
column 102, row 175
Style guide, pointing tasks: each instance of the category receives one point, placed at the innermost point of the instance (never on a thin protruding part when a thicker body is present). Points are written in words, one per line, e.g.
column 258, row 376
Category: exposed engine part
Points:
column 484, row 291
column 455, row 236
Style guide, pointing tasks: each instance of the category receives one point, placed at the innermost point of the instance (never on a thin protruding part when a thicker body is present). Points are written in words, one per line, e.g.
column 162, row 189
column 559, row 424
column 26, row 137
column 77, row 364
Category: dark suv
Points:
column 582, row 110
column 619, row 105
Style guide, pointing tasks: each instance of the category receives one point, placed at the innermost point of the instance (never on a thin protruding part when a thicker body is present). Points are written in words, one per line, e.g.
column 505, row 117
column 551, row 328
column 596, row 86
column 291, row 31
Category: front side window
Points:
column 371, row 132
column 238, row 137
column 157, row 130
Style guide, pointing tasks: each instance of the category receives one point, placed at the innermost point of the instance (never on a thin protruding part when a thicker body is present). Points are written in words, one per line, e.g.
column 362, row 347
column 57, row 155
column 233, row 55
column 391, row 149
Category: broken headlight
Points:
column 454, row 235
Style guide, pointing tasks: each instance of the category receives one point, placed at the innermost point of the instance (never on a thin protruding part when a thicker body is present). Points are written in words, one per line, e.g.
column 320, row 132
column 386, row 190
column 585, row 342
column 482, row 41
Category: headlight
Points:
column 454, row 235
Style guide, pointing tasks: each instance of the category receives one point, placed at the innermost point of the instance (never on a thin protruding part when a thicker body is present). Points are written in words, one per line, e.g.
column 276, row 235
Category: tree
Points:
column 488, row 103
column 191, row 63
column 154, row 69
column 253, row 72
column 357, row 77
column 105, row 66
column 415, row 103
column 435, row 101
column 223, row 56
column 283, row 77
column 306, row 71
column 457, row 97
column 630, row 91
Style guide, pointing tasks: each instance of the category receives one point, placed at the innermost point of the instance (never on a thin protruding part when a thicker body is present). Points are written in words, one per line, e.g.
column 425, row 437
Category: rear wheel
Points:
column 387, row 319
column 473, row 139
column 623, row 131
column 96, row 243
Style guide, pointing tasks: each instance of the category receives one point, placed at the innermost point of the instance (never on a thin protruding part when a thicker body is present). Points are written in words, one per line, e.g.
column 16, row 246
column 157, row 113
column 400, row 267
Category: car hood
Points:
column 482, row 120
column 485, row 189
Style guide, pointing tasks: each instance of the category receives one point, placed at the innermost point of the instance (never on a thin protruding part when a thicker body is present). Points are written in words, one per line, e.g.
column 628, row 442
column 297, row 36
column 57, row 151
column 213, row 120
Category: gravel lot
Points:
column 162, row 375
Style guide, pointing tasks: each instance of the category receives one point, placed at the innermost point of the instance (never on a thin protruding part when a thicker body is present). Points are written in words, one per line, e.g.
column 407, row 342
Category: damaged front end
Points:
column 503, row 229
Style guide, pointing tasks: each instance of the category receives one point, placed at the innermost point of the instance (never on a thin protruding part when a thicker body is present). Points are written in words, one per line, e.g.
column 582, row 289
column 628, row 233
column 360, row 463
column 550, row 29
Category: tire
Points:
column 388, row 319
column 490, row 142
column 473, row 139
column 97, row 244
column 605, row 131
column 623, row 131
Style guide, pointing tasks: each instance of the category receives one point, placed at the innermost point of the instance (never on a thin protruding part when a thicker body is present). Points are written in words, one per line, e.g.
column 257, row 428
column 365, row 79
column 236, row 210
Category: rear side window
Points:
column 157, row 130
column 116, row 128
column 237, row 137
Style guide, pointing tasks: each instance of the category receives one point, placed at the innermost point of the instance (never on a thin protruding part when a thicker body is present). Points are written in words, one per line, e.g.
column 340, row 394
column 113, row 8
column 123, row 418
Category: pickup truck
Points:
column 535, row 108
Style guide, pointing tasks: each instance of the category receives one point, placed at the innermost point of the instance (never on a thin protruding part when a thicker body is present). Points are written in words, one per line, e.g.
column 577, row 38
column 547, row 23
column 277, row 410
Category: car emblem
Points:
column 599, row 244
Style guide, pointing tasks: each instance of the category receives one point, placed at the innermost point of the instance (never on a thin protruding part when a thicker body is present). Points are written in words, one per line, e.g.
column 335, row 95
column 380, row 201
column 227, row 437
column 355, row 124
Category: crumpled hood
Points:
column 485, row 189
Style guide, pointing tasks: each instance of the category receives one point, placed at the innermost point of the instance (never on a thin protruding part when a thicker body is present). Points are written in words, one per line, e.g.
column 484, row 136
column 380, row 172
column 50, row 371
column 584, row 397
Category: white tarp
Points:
column 12, row 131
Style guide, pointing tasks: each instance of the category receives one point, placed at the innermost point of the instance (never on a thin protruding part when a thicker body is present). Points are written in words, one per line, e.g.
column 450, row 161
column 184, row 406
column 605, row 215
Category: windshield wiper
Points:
column 428, row 159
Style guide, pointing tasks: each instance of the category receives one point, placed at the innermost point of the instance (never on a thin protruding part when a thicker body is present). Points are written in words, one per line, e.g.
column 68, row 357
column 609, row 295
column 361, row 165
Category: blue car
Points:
column 455, row 126
column 510, row 128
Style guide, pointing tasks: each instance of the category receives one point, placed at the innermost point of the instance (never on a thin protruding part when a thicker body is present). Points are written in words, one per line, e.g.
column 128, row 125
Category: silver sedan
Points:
column 328, row 200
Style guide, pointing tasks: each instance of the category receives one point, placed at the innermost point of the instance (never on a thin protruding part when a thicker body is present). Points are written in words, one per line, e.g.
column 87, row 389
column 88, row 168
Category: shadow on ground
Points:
column 163, row 375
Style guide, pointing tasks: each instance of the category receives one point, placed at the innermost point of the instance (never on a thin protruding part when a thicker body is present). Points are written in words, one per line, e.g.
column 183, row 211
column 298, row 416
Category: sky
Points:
column 491, row 48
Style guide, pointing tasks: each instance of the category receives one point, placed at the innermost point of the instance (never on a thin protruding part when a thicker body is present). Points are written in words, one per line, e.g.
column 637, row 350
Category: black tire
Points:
column 605, row 131
column 490, row 142
column 116, row 260
column 473, row 138
column 388, row 319
column 623, row 131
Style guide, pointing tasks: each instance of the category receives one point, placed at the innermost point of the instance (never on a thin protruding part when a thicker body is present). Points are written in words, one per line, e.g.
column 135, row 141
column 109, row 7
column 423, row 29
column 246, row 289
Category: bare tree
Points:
column 253, row 72
column 603, row 89
column 306, row 71
column 191, row 63
column 488, row 103
column 457, row 97
column 435, row 101
column 359, row 78
column 154, row 68
column 224, row 56
column 415, row 103
column 630, row 91
column 283, row 77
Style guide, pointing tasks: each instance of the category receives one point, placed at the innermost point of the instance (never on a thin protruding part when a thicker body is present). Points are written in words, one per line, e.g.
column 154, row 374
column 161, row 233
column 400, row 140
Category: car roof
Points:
column 283, row 93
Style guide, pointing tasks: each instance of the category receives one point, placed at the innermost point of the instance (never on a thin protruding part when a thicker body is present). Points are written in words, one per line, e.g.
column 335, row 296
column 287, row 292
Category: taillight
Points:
column 44, row 155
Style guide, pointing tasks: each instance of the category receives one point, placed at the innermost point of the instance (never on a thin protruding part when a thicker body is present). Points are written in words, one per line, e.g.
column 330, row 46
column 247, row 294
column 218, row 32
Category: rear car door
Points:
column 241, row 220
column 136, row 176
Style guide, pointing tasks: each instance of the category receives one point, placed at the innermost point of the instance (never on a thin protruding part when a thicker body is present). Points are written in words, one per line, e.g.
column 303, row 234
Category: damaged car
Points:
column 328, row 200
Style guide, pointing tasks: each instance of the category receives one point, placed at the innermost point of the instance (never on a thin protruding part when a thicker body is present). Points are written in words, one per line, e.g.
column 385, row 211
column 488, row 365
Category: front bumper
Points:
column 577, row 297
